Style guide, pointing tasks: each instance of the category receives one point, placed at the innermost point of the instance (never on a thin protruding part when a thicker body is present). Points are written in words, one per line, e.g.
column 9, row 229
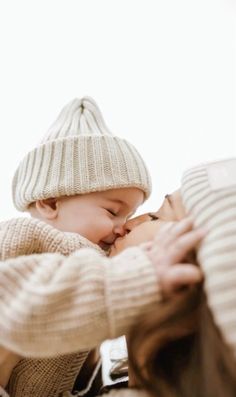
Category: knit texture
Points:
column 53, row 307
column 24, row 236
column 209, row 194
column 78, row 155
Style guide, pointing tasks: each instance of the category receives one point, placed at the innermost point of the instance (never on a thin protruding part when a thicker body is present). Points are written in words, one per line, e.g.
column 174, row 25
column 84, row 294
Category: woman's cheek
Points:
column 137, row 238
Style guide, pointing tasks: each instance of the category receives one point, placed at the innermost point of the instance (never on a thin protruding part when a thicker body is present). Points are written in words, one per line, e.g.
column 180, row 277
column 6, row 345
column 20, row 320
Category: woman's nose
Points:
column 127, row 228
column 119, row 230
column 129, row 225
column 134, row 222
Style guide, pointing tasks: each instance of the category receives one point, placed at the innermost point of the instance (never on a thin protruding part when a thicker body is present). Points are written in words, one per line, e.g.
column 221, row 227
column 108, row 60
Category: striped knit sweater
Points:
column 54, row 308
column 209, row 194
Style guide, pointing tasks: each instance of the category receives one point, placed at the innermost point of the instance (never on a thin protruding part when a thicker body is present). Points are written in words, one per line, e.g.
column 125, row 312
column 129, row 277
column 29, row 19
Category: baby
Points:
column 80, row 185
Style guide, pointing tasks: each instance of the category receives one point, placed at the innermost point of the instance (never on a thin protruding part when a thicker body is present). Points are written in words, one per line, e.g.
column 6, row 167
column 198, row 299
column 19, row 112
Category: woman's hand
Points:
column 169, row 251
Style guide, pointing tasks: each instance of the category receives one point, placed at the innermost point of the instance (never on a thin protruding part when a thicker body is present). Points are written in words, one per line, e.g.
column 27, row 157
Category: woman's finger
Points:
column 179, row 276
column 185, row 243
column 163, row 236
column 172, row 230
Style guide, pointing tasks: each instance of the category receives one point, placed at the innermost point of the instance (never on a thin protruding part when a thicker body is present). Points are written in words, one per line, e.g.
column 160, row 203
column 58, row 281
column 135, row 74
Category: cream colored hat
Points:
column 78, row 155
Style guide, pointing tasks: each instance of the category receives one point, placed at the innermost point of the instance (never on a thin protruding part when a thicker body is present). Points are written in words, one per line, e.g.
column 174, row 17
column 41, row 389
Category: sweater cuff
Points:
column 132, row 286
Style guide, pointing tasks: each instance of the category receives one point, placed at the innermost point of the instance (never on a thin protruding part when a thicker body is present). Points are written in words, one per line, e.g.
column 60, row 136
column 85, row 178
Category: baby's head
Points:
column 82, row 178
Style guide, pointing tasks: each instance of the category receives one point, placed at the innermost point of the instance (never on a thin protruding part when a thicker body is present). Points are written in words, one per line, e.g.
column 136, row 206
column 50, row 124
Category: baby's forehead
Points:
column 128, row 198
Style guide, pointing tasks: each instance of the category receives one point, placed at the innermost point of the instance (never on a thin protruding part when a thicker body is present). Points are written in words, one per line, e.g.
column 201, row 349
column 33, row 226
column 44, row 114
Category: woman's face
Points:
column 144, row 227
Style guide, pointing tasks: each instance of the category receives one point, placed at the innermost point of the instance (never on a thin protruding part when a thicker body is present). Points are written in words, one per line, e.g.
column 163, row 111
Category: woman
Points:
column 189, row 348
column 211, row 200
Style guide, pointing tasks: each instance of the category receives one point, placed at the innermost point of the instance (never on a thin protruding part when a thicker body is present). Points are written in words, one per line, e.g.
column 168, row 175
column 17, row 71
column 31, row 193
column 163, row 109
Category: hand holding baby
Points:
column 169, row 252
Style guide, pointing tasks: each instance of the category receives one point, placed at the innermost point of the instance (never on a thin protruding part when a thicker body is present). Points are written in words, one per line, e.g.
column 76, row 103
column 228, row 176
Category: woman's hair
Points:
column 178, row 352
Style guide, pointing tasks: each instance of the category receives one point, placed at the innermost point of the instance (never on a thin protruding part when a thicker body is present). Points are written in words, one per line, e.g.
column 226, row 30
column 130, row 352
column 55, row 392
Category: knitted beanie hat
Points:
column 78, row 155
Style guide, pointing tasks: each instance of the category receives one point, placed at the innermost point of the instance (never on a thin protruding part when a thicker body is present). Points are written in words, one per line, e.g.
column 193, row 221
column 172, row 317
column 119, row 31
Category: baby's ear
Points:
column 47, row 208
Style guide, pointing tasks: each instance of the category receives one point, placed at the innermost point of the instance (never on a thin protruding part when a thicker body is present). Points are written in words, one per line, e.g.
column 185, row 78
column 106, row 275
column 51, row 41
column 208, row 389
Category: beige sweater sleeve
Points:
column 51, row 304
column 209, row 194
column 26, row 236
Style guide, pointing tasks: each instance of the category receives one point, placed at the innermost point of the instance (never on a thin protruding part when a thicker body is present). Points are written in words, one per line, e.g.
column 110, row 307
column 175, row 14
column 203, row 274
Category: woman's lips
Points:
column 117, row 240
column 116, row 246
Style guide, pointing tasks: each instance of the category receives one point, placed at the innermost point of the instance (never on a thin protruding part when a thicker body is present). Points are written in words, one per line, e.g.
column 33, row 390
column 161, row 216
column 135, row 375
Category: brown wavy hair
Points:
column 178, row 351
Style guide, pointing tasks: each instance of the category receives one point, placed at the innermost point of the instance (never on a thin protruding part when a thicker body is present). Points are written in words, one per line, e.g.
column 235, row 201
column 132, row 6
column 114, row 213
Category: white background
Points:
column 162, row 71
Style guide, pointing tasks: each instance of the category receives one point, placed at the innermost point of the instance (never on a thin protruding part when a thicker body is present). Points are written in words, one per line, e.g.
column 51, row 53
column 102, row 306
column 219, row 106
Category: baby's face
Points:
column 145, row 227
column 100, row 216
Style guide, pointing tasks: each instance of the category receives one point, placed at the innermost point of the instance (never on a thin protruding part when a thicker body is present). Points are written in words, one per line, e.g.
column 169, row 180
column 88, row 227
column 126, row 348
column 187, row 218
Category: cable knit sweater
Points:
column 59, row 307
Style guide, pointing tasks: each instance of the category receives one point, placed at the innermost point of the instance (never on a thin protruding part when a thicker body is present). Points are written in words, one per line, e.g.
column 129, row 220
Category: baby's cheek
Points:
column 106, row 226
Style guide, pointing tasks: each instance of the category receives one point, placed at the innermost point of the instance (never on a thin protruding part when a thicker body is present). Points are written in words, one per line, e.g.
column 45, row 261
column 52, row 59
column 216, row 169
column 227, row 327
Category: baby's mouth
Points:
column 108, row 246
column 105, row 246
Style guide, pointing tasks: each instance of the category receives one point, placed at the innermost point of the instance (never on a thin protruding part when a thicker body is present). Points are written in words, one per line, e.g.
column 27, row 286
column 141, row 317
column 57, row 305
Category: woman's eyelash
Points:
column 153, row 217
column 111, row 212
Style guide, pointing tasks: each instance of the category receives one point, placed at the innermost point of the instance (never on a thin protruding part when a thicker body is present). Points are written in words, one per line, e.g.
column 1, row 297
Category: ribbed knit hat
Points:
column 78, row 155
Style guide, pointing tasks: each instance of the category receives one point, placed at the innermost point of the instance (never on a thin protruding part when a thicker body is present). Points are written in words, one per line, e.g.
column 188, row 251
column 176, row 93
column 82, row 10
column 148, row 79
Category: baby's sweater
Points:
column 55, row 308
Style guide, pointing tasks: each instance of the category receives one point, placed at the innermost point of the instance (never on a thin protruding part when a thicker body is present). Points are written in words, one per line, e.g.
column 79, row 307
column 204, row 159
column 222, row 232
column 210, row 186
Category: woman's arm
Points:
column 51, row 304
column 209, row 194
